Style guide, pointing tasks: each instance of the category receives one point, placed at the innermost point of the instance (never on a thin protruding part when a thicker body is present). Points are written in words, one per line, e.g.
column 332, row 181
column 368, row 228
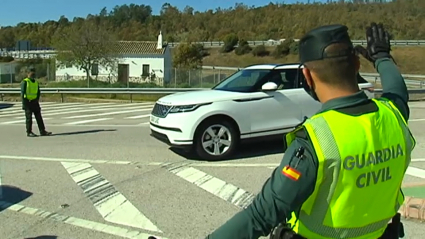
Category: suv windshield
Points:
column 242, row 81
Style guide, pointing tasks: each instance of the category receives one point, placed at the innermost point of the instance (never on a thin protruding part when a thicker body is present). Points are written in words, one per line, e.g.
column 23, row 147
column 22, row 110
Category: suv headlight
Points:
column 185, row 108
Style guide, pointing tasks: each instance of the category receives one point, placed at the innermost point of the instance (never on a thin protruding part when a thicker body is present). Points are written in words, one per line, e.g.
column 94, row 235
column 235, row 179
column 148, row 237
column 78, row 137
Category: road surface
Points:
column 109, row 179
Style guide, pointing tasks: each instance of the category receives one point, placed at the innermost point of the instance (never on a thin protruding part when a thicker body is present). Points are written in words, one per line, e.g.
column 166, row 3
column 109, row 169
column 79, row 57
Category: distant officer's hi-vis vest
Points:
column 362, row 161
column 32, row 89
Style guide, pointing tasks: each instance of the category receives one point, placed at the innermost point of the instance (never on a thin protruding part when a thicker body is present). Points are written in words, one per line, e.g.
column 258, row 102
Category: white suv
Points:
column 257, row 101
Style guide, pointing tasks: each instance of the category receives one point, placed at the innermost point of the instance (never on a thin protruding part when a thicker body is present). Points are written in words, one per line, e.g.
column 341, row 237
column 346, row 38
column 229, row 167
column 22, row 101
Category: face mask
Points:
column 309, row 90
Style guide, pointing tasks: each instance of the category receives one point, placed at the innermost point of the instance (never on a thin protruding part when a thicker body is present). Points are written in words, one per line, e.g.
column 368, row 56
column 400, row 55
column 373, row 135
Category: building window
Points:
column 145, row 70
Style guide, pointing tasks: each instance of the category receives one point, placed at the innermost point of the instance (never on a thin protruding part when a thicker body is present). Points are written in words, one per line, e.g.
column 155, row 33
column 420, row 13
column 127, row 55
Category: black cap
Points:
column 313, row 44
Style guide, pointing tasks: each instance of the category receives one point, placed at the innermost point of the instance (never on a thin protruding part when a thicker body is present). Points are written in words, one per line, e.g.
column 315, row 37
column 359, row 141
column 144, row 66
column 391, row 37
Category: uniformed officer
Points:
column 30, row 94
column 341, row 174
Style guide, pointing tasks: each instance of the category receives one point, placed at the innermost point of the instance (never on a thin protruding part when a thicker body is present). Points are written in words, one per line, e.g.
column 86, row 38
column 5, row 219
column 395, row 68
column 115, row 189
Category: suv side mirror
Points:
column 269, row 86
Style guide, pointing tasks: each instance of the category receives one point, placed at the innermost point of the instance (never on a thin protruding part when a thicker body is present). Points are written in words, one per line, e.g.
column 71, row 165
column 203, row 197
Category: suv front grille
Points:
column 160, row 110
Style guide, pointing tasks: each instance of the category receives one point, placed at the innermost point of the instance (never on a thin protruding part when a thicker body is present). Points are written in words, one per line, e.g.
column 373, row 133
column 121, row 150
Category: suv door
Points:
column 275, row 112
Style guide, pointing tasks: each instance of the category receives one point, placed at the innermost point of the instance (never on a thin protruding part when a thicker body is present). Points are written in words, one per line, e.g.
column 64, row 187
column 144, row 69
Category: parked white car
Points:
column 258, row 101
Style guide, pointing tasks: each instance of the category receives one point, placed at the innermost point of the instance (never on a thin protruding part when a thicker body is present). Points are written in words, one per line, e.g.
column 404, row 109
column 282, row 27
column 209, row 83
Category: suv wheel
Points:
column 216, row 140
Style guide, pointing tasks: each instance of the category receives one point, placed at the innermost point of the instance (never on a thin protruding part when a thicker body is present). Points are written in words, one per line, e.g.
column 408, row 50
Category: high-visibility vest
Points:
column 32, row 89
column 361, row 164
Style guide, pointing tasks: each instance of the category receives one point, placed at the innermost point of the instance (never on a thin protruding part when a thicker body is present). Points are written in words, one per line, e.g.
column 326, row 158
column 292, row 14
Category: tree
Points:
column 85, row 44
column 403, row 18
column 187, row 58
column 188, row 55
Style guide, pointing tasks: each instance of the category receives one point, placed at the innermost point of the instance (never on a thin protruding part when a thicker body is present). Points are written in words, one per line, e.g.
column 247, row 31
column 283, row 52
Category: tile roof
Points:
column 139, row 48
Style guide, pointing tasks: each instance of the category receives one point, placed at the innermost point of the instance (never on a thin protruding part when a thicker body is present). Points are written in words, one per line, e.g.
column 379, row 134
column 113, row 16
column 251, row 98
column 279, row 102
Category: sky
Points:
column 15, row 11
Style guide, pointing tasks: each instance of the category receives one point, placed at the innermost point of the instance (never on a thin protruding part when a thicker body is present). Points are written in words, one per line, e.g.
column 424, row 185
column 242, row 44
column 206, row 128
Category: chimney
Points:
column 160, row 43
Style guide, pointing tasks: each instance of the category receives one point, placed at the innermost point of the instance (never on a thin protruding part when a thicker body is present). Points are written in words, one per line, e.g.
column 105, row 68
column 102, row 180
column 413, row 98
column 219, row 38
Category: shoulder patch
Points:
column 291, row 173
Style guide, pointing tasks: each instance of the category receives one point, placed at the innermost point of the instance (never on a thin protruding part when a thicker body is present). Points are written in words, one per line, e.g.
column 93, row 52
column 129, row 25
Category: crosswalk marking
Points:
column 109, row 113
column 78, row 222
column 109, row 202
column 79, row 110
column 226, row 191
column 14, row 110
column 87, row 121
column 416, row 172
column 57, row 111
column 21, row 121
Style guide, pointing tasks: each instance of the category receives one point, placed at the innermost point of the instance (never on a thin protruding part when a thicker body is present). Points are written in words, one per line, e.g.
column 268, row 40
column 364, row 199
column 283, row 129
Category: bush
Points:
column 243, row 48
column 260, row 51
column 230, row 42
column 200, row 48
column 6, row 59
column 288, row 46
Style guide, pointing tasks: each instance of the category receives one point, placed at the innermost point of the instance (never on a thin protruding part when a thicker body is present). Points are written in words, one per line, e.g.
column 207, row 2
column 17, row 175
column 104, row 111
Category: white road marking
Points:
column 79, row 109
column 110, row 203
column 15, row 110
column 60, row 109
column 415, row 120
column 91, row 125
column 418, row 160
column 22, row 121
column 49, row 103
column 226, row 191
column 78, row 222
column 138, row 116
column 87, row 121
column 416, row 172
column 64, row 160
column 111, row 113
column 219, row 165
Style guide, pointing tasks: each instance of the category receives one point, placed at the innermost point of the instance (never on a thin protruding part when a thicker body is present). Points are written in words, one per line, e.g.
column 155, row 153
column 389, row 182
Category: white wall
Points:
column 135, row 67
column 156, row 64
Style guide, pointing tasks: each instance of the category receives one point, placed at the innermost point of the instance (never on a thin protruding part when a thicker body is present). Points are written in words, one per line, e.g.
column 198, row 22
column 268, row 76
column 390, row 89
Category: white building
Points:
column 139, row 61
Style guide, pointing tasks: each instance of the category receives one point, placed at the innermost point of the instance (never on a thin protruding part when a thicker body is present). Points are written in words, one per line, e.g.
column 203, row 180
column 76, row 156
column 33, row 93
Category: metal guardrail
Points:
column 130, row 91
column 277, row 42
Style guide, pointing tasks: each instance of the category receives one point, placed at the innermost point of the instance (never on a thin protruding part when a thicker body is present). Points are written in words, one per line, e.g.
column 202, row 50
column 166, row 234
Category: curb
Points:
column 413, row 208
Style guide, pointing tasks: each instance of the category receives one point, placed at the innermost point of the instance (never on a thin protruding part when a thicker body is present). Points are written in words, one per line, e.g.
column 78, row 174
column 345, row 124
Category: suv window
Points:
column 283, row 78
column 243, row 80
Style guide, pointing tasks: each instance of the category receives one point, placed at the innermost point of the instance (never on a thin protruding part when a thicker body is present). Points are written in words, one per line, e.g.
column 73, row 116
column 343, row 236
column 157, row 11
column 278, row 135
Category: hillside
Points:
column 409, row 59
column 403, row 18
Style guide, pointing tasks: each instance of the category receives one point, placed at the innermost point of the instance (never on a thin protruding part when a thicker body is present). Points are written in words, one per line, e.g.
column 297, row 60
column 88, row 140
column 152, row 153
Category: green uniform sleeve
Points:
column 38, row 93
column 393, row 85
column 279, row 197
column 23, row 89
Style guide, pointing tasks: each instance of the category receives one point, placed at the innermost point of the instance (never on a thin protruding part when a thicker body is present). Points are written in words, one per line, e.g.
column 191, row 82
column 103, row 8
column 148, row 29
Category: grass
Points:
column 410, row 60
